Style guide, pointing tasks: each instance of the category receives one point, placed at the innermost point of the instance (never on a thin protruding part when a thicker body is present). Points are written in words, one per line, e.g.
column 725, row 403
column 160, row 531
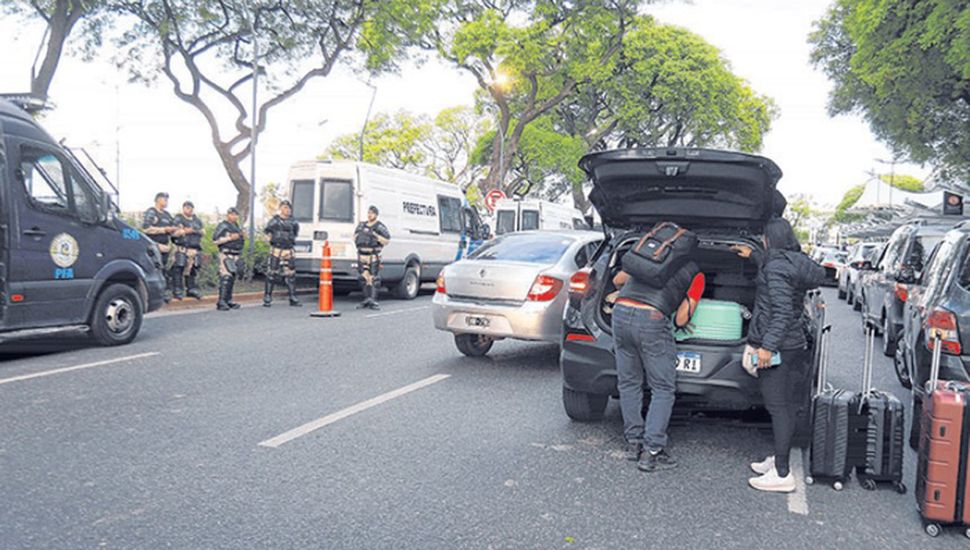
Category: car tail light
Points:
column 440, row 284
column 580, row 337
column 944, row 323
column 828, row 264
column 544, row 289
column 579, row 282
column 902, row 292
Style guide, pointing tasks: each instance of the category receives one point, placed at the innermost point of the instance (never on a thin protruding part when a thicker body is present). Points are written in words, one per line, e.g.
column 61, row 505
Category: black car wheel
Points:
column 856, row 302
column 850, row 297
column 888, row 338
column 117, row 316
column 473, row 345
column 582, row 406
column 409, row 286
column 842, row 293
column 914, row 426
column 902, row 373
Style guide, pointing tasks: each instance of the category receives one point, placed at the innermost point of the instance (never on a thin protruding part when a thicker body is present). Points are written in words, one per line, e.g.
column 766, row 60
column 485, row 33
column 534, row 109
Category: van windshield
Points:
column 302, row 198
column 505, row 222
column 521, row 247
column 336, row 200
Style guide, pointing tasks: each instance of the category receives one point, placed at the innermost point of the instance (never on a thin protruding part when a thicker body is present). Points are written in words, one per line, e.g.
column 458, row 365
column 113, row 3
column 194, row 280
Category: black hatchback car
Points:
column 942, row 302
column 726, row 199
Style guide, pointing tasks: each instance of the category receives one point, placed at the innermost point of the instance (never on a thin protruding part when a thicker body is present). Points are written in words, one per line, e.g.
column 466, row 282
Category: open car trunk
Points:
column 729, row 277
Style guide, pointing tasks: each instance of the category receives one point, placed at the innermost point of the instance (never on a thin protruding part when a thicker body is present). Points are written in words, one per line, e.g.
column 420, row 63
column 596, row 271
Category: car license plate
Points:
column 689, row 362
column 476, row 321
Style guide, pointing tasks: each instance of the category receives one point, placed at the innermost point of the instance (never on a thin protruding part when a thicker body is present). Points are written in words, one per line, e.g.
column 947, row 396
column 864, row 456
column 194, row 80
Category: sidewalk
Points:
column 209, row 300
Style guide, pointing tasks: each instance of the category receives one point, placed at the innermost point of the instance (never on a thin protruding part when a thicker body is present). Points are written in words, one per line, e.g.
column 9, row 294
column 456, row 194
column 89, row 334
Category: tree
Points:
column 800, row 210
column 904, row 182
column 62, row 18
column 453, row 137
column 270, row 197
column 905, row 67
column 204, row 49
column 528, row 56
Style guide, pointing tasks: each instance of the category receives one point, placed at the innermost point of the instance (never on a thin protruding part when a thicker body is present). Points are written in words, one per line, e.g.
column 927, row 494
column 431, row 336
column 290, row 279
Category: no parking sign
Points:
column 492, row 198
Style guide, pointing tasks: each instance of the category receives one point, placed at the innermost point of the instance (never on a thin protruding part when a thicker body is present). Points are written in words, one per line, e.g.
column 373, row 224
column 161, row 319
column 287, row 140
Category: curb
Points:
column 210, row 300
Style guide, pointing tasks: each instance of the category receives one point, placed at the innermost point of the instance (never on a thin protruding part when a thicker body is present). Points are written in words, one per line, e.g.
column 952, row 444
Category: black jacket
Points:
column 282, row 232
column 784, row 278
column 194, row 239
column 155, row 218
column 224, row 230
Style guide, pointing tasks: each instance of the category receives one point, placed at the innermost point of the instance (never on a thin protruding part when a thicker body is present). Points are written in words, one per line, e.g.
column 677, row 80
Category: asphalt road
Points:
column 184, row 439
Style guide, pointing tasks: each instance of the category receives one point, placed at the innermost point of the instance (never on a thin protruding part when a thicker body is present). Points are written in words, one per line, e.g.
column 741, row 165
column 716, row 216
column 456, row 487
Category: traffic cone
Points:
column 326, row 285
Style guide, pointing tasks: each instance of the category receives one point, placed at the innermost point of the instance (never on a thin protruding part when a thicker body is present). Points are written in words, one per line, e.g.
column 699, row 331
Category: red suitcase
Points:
column 942, row 491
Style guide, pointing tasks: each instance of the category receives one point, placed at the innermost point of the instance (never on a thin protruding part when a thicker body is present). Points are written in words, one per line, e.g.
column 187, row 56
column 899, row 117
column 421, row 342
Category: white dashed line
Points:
column 396, row 311
column 798, row 501
column 74, row 368
column 349, row 411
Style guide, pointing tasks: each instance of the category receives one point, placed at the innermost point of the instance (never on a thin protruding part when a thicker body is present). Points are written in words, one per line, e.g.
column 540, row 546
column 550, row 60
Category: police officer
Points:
column 370, row 237
column 282, row 231
column 188, row 244
column 159, row 225
column 230, row 240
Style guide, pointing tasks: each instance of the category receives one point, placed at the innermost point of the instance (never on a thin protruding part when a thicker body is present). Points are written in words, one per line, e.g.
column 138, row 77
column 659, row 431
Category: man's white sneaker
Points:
column 763, row 467
column 773, row 483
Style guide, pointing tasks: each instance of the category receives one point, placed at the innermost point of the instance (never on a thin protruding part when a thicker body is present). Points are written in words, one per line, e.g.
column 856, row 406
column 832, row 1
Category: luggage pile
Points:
column 714, row 320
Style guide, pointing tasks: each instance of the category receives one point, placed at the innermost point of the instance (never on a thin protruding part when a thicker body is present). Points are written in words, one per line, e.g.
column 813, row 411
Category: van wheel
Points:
column 914, row 426
column 473, row 345
column 117, row 316
column 409, row 286
column 582, row 406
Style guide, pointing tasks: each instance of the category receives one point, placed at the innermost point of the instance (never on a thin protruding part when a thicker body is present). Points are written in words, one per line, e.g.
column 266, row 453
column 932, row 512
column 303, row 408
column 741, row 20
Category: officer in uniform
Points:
column 282, row 231
column 230, row 240
column 370, row 237
column 159, row 225
column 188, row 244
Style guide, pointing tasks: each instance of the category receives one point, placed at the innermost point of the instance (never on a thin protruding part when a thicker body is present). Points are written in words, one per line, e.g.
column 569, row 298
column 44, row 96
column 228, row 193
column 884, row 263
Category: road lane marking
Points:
column 798, row 501
column 76, row 367
column 349, row 411
column 396, row 311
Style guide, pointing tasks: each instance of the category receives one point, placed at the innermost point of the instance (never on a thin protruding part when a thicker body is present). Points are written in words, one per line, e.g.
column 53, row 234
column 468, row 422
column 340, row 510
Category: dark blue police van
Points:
column 67, row 262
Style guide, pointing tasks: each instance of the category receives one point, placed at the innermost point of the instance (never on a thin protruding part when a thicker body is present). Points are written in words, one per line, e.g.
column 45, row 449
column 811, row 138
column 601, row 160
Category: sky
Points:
column 164, row 144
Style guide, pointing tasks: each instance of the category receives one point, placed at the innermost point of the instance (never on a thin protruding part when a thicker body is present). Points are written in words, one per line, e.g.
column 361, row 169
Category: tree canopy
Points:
column 905, row 67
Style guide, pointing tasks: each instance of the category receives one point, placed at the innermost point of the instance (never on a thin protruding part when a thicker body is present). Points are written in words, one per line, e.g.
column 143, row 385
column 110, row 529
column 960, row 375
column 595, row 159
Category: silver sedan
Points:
column 514, row 286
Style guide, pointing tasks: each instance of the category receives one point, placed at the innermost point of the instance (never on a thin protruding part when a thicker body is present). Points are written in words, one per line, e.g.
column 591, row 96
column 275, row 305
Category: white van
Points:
column 425, row 218
column 527, row 215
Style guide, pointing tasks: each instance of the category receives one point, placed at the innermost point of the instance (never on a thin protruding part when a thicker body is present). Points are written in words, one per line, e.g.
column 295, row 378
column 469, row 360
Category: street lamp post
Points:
column 253, row 141
column 892, row 176
column 363, row 130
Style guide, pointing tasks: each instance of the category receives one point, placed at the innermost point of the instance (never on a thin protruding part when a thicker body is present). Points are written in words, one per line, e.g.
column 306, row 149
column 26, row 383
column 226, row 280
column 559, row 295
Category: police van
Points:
column 428, row 221
column 67, row 263
column 517, row 214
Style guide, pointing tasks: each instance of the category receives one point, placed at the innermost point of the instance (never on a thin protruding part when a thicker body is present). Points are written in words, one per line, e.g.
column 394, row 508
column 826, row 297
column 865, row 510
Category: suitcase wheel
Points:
column 967, row 532
column 901, row 489
column 933, row 529
column 809, row 480
column 868, row 484
column 838, row 486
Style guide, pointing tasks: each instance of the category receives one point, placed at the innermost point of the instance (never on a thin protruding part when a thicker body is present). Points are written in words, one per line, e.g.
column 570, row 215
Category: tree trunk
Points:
column 61, row 23
column 579, row 199
column 231, row 163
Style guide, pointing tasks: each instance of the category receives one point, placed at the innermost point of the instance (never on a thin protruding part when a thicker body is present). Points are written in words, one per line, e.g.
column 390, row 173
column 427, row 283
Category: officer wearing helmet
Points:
column 282, row 231
column 229, row 237
column 159, row 225
column 188, row 244
column 370, row 237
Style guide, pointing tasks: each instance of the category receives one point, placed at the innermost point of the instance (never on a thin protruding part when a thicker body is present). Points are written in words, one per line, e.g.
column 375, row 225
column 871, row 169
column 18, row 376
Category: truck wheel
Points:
column 582, row 406
column 409, row 286
column 473, row 345
column 914, row 426
column 117, row 316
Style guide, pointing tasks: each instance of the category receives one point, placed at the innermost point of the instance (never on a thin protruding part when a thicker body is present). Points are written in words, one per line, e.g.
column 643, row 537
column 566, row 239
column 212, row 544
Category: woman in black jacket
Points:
column 776, row 333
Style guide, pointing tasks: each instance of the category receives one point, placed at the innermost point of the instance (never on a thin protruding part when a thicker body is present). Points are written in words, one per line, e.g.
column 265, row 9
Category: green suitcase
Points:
column 714, row 320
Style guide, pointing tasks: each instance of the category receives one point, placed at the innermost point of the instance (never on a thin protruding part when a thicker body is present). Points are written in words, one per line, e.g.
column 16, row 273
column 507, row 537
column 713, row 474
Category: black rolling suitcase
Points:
column 838, row 428
column 884, row 432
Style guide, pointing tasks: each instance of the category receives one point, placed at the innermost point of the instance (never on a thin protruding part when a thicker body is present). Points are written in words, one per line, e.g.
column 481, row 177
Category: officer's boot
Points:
column 291, row 291
column 373, row 298
column 268, row 292
column 229, row 302
column 192, row 288
column 167, row 294
column 223, row 304
column 178, row 281
column 365, row 302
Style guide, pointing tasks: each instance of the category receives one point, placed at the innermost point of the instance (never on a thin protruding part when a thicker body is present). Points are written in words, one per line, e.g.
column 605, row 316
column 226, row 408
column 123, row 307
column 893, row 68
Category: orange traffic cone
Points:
column 326, row 285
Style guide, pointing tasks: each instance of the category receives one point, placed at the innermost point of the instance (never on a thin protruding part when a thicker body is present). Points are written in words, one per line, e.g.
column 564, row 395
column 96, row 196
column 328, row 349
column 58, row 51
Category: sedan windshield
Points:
column 530, row 248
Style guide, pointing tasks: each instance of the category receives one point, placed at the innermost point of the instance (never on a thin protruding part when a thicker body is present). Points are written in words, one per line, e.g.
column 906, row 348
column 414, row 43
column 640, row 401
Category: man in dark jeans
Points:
column 645, row 352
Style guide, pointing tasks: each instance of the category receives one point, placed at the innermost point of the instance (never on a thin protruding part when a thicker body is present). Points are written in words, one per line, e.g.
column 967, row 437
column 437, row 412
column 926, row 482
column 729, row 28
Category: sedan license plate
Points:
column 689, row 362
column 476, row 321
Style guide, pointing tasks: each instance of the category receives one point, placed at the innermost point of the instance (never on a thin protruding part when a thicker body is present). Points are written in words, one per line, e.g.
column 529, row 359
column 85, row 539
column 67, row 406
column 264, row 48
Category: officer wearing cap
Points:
column 230, row 239
column 282, row 231
column 370, row 237
column 188, row 244
column 159, row 225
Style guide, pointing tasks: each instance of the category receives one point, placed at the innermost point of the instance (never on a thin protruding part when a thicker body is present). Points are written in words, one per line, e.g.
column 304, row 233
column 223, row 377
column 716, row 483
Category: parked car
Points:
column 514, row 286
column 849, row 272
column 832, row 259
column 886, row 288
column 861, row 268
column 942, row 303
column 726, row 199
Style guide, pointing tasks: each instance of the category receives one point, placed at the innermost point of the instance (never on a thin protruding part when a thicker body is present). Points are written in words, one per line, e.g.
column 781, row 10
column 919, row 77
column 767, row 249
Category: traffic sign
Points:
column 492, row 198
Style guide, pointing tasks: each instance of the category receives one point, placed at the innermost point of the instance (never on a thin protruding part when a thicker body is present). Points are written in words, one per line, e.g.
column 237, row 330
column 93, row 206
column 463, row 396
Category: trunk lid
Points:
column 693, row 187
column 491, row 279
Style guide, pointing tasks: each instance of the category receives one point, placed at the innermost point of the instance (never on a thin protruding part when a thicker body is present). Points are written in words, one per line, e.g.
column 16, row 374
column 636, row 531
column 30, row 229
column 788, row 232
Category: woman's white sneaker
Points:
column 763, row 467
column 773, row 483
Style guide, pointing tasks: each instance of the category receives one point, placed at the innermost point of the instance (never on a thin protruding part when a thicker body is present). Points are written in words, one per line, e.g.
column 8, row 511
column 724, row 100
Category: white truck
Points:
column 427, row 220
column 531, row 214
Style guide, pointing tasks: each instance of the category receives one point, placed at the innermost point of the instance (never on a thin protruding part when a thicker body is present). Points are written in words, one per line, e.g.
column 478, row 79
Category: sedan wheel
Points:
column 902, row 373
column 473, row 345
column 888, row 338
column 582, row 406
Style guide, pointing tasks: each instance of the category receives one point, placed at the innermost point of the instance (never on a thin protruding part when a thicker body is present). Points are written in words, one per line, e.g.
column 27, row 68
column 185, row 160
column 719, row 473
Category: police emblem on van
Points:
column 64, row 250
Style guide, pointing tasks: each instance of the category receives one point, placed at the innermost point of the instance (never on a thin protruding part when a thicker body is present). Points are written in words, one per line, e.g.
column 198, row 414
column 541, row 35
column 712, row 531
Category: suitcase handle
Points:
column 867, row 363
column 823, row 359
column 935, row 364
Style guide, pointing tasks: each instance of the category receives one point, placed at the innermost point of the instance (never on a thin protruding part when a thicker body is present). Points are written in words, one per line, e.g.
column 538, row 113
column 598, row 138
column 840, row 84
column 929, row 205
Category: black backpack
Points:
column 660, row 253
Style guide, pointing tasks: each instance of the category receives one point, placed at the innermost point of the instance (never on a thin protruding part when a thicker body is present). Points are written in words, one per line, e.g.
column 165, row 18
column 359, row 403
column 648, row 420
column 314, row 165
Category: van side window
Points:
column 530, row 220
column 302, row 193
column 449, row 213
column 46, row 180
column 336, row 200
column 505, row 222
